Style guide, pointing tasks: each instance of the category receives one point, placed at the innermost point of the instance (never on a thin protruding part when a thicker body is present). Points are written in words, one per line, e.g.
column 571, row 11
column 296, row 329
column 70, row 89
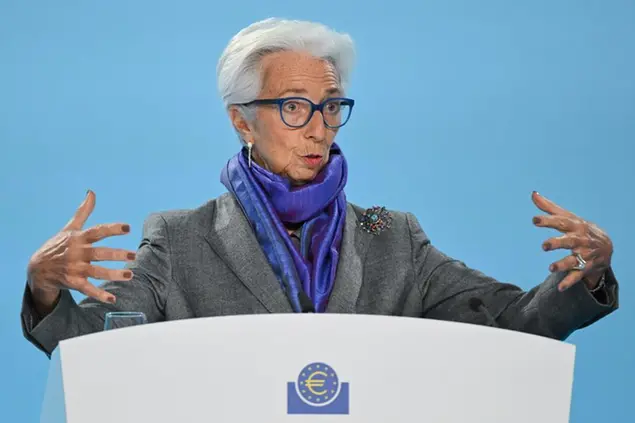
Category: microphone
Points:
column 477, row 305
column 306, row 303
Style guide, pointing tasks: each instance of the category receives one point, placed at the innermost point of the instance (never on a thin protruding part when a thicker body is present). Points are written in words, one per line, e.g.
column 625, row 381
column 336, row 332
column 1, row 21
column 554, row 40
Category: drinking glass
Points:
column 120, row 319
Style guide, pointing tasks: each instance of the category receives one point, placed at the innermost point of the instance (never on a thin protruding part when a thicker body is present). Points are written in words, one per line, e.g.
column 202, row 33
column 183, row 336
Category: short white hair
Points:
column 238, row 70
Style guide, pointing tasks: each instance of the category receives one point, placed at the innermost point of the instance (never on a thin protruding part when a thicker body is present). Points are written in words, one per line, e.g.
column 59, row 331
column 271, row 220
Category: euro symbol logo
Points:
column 314, row 381
column 317, row 391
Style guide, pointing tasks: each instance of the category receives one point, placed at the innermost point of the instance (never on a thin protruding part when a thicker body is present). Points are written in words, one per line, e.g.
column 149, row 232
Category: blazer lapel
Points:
column 232, row 238
column 350, row 269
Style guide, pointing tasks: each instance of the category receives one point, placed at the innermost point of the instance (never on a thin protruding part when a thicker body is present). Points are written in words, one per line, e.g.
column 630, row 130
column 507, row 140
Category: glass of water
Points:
column 121, row 319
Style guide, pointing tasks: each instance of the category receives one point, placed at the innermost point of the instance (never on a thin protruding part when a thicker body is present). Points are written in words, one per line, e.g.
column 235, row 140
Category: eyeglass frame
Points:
column 319, row 107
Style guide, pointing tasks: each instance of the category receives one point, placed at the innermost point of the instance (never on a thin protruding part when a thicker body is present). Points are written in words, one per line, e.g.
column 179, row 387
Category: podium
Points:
column 309, row 368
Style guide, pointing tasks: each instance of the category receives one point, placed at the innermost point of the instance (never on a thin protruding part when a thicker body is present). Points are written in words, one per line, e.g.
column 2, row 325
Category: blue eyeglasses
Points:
column 296, row 112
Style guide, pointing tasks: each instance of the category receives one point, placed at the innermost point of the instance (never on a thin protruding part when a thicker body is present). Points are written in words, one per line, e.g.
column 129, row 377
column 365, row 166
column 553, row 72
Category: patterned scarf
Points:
column 269, row 201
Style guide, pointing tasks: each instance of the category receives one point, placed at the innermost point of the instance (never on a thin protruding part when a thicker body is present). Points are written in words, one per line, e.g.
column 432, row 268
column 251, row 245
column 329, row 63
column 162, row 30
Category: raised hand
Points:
column 585, row 239
column 64, row 261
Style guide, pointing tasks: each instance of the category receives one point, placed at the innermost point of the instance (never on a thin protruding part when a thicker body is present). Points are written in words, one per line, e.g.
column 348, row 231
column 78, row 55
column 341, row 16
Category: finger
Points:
column 78, row 221
column 570, row 262
column 547, row 205
column 98, row 272
column 559, row 222
column 567, row 241
column 108, row 254
column 567, row 263
column 99, row 232
column 82, row 285
column 571, row 279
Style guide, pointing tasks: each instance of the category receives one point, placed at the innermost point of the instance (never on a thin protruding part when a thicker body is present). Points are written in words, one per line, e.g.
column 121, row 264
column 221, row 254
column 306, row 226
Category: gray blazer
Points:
column 207, row 262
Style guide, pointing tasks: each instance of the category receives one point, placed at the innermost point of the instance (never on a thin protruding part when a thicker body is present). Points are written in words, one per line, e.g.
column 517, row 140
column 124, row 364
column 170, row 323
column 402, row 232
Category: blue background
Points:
column 463, row 108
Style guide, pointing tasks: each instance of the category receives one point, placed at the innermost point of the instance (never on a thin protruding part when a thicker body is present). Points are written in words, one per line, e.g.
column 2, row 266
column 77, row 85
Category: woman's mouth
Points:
column 313, row 160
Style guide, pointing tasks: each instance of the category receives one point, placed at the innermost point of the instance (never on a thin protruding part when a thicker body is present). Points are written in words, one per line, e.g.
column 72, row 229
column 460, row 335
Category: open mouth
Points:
column 313, row 160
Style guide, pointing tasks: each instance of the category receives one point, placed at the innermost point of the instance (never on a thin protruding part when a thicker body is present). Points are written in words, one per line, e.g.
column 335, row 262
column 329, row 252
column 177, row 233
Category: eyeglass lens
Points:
column 297, row 112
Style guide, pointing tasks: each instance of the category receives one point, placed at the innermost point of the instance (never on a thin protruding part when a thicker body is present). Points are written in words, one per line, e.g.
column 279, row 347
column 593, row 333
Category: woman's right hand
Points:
column 64, row 261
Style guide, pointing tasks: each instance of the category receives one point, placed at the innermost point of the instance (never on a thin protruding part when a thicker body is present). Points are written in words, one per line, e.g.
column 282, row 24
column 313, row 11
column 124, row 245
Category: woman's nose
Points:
column 316, row 128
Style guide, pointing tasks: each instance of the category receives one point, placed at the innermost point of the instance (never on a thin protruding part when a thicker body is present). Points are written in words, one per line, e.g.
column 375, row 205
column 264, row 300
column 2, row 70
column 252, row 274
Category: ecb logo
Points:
column 317, row 391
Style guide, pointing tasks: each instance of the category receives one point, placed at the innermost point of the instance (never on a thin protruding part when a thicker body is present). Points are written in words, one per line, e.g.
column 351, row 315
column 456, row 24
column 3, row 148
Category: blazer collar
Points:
column 233, row 239
column 350, row 269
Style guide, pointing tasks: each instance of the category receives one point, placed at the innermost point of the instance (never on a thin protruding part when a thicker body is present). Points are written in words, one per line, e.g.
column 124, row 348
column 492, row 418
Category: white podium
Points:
column 309, row 368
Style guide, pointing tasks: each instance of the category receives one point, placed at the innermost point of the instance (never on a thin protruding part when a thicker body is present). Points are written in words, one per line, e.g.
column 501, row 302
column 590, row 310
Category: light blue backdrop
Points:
column 463, row 108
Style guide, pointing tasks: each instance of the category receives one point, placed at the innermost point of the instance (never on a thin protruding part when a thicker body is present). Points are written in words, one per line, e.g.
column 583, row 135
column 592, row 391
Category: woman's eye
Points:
column 333, row 107
column 291, row 106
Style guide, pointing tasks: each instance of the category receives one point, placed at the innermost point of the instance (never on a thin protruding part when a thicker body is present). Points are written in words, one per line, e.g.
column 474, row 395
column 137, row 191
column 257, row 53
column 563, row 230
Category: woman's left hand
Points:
column 581, row 237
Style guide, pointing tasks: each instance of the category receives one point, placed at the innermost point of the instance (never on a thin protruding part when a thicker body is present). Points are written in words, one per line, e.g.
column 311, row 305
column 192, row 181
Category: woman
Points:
column 284, row 239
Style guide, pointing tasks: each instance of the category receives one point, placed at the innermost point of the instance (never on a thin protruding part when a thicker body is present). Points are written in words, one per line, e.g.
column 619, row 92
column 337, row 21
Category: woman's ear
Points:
column 244, row 128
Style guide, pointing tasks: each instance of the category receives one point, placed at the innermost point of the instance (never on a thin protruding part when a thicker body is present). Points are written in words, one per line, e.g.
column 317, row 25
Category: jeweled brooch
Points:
column 375, row 220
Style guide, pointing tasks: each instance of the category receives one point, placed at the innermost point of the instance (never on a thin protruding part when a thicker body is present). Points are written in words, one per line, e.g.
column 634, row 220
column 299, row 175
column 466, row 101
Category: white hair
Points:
column 238, row 69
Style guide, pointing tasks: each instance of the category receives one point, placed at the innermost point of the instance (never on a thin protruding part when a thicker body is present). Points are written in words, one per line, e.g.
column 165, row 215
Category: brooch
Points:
column 375, row 220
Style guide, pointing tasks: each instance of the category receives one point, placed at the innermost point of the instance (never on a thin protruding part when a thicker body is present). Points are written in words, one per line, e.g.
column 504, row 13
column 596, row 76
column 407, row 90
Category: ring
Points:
column 581, row 262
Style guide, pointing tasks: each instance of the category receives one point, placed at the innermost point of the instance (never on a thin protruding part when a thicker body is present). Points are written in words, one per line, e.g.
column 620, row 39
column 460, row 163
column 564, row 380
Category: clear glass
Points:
column 296, row 112
column 121, row 319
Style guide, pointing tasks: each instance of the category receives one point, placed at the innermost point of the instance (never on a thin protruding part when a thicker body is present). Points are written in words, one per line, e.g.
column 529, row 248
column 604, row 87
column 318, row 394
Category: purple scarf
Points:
column 269, row 201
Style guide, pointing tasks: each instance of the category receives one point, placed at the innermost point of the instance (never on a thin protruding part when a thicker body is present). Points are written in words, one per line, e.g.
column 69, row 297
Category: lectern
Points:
column 309, row 368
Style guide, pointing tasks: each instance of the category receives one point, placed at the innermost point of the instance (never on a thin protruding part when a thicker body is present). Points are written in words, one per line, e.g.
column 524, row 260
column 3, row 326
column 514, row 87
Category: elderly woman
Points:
column 284, row 239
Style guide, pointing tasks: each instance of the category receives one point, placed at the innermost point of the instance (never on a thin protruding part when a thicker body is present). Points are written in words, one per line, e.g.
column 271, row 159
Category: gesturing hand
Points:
column 64, row 261
column 583, row 238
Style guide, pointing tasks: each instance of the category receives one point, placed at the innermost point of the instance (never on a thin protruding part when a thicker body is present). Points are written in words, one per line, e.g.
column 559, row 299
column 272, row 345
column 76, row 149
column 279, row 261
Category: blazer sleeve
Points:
column 448, row 285
column 146, row 292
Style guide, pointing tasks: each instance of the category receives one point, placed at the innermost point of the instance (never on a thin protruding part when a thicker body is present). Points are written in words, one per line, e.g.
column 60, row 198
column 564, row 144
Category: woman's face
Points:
column 295, row 153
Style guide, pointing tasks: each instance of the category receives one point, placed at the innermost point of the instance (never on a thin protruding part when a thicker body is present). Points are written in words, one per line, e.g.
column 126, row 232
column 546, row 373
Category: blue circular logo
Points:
column 318, row 384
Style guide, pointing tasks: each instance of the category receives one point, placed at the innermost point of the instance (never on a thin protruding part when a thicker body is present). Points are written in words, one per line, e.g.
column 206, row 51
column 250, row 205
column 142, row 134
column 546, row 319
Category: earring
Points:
column 249, row 146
